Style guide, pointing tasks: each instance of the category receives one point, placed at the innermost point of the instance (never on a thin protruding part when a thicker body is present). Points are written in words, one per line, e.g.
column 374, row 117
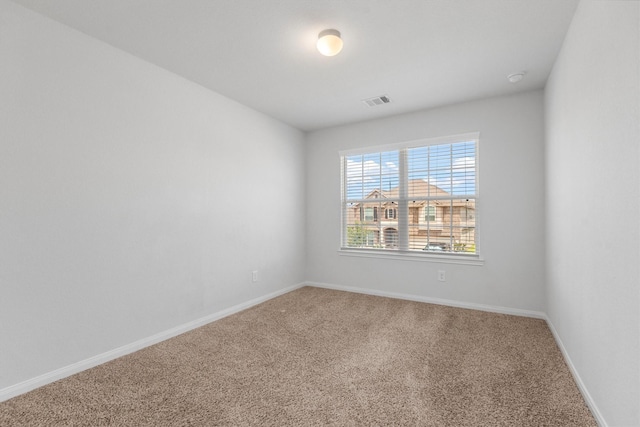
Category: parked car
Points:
column 433, row 247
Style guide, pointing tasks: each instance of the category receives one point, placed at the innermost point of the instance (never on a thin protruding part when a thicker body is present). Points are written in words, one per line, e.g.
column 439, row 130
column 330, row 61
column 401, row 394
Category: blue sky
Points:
column 451, row 167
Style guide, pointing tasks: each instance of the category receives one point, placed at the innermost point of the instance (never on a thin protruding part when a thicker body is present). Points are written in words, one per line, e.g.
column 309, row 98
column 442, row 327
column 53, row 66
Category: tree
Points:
column 356, row 236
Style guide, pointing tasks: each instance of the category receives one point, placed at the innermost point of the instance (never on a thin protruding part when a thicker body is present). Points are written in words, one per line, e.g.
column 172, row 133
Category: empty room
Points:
column 316, row 212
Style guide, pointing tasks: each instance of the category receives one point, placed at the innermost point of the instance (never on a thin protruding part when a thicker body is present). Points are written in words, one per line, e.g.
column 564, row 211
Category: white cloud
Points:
column 390, row 167
column 369, row 171
column 457, row 183
column 468, row 163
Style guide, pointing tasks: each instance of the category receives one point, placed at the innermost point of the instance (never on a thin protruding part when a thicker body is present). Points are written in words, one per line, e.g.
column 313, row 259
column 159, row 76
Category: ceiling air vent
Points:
column 378, row 100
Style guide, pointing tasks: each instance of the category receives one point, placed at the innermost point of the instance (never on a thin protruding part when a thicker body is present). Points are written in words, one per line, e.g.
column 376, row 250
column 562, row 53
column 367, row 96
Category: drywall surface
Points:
column 593, row 203
column 131, row 200
column 510, row 205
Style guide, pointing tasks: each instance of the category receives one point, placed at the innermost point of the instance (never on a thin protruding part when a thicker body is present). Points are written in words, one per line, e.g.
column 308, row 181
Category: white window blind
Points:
column 423, row 194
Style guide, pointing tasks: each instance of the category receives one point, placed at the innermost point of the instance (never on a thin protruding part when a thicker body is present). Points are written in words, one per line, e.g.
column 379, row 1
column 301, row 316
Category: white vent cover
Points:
column 378, row 100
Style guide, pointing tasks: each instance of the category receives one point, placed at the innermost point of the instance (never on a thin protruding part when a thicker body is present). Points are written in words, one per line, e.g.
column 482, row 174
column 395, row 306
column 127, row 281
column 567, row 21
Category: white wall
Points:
column 511, row 205
column 131, row 200
column 593, row 203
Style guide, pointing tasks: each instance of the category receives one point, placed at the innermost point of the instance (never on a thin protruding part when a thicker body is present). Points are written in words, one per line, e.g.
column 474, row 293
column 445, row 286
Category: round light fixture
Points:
column 329, row 42
column 516, row 77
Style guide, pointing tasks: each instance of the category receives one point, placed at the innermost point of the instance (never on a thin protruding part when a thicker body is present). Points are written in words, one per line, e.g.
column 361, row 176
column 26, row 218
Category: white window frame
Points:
column 403, row 217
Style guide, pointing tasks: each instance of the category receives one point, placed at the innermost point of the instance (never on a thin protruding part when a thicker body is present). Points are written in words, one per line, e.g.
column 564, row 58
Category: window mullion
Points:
column 451, row 240
column 343, row 192
column 403, row 205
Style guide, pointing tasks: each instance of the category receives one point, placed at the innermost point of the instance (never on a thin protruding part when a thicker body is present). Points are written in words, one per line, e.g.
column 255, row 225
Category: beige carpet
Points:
column 322, row 357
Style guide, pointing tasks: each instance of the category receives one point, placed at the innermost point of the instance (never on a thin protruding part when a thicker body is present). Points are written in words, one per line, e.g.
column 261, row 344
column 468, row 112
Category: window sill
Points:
column 413, row 256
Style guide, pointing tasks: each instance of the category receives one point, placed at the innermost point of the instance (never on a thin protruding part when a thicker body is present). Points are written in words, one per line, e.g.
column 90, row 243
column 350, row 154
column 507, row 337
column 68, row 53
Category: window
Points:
column 368, row 214
column 371, row 238
column 391, row 238
column 430, row 213
column 425, row 192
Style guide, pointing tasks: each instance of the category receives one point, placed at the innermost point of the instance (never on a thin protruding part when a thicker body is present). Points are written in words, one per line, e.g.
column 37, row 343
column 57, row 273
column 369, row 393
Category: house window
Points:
column 368, row 214
column 370, row 238
column 391, row 238
column 371, row 213
column 430, row 213
column 468, row 214
column 432, row 186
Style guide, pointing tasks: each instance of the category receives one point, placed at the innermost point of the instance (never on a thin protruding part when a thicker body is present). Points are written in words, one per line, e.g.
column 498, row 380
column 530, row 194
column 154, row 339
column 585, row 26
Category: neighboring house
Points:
column 443, row 224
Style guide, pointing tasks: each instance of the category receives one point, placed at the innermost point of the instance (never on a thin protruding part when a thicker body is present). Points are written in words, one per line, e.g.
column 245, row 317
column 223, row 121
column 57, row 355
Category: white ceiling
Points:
column 421, row 53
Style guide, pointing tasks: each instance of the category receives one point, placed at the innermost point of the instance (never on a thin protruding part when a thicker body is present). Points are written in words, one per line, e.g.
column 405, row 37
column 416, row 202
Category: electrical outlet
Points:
column 254, row 276
column 441, row 276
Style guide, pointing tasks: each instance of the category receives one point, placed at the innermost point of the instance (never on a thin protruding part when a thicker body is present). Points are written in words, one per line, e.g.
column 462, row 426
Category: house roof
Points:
column 418, row 188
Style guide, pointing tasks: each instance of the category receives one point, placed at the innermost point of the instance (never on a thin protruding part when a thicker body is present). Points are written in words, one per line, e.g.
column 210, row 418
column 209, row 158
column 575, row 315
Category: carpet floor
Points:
column 317, row 357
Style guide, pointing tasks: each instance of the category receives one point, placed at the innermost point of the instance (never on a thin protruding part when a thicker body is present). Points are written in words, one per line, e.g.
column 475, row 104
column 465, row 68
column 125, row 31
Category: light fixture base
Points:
column 329, row 42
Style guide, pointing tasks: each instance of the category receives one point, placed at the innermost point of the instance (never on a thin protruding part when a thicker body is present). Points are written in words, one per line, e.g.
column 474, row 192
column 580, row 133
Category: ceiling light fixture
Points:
column 329, row 42
column 516, row 77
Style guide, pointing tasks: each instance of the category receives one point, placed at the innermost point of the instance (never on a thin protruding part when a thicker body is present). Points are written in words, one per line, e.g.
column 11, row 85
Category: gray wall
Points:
column 593, row 203
column 131, row 200
column 511, row 205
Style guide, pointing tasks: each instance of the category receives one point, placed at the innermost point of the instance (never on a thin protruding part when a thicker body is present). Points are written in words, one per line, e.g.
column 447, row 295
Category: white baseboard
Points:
column 49, row 377
column 439, row 301
column 576, row 376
